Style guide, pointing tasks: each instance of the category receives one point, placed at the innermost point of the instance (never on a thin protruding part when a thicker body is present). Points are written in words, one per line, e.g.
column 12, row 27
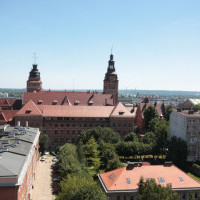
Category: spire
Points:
column 111, row 64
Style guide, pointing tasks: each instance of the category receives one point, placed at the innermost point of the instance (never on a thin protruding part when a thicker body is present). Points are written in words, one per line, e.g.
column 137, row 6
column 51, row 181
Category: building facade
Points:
column 122, row 183
column 186, row 125
column 19, row 153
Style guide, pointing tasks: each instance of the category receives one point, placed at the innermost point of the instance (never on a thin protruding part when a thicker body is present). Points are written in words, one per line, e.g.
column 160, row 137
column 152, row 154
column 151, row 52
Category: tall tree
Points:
column 109, row 158
column 92, row 153
column 151, row 191
column 43, row 143
column 131, row 137
column 149, row 114
column 68, row 160
column 178, row 151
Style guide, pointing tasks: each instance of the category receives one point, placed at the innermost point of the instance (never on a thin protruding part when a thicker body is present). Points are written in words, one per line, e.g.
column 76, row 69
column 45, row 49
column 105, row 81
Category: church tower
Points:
column 34, row 83
column 111, row 80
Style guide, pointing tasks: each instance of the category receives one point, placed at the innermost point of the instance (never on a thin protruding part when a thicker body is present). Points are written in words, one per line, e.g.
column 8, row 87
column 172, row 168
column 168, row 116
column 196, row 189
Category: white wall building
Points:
column 186, row 125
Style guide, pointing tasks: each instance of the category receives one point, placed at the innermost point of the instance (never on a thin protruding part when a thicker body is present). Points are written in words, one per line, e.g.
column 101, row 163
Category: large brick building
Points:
column 64, row 123
column 19, row 154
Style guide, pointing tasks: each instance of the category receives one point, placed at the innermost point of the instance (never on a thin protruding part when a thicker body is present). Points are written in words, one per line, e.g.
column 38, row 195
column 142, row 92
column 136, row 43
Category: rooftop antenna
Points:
column 35, row 58
column 111, row 49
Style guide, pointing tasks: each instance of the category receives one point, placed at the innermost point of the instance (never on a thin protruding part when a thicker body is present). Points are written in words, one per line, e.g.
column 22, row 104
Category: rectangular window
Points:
column 181, row 179
column 128, row 181
column 161, row 180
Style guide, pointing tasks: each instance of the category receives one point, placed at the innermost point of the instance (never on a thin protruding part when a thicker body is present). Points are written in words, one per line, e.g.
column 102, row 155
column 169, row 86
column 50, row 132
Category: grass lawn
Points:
column 193, row 176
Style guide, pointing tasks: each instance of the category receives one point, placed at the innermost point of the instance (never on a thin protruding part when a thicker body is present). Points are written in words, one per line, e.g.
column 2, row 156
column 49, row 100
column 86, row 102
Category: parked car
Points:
column 53, row 153
column 54, row 159
column 42, row 158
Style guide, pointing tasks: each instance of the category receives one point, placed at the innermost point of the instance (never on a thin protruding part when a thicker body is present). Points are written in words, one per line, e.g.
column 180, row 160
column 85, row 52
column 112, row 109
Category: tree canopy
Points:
column 99, row 133
column 151, row 191
column 43, row 142
column 178, row 151
column 81, row 188
column 149, row 114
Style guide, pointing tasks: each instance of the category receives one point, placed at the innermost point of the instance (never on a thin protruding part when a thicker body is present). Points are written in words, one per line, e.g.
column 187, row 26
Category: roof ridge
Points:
column 35, row 106
column 114, row 108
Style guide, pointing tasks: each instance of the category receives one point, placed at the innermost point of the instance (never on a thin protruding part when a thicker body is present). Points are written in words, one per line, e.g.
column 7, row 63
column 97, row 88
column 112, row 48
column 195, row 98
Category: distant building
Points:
column 186, row 125
column 139, row 118
column 122, row 183
column 189, row 104
column 19, row 154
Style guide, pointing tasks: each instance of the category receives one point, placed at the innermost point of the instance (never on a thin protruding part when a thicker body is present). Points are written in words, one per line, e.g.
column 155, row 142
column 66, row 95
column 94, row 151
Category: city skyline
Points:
column 155, row 44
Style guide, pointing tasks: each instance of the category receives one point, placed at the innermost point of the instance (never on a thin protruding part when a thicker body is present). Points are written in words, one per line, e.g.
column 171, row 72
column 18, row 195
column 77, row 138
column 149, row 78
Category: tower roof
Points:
column 111, row 65
column 34, row 73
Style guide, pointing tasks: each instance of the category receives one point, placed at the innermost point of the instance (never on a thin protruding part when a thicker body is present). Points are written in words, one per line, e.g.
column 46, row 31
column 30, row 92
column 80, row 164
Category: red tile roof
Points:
column 31, row 108
column 84, row 98
column 8, row 102
column 7, row 115
column 117, row 179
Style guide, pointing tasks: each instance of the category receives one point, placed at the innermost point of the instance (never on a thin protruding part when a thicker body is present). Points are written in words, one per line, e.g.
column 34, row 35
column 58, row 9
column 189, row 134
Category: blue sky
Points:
column 156, row 43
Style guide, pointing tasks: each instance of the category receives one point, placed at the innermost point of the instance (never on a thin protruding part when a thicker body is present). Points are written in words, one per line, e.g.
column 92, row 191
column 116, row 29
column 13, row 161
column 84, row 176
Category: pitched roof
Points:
column 158, row 107
column 8, row 102
column 117, row 179
column 194, row 101
column 48, row 97
column 7, row 115
column 31, row 108
column 120, row 111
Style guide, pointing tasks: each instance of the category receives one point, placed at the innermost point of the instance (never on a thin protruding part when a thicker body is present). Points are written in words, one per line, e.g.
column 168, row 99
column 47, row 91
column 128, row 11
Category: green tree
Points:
column 178, row 151
column 43, row 142
column 109, row 158
column 68, row 160
column 196, row 107
column 151, row 191
column 92, row 153
column 131, row 137
column 149, row 138
column 81, row 188
column 149, row 114
column 168, row 110
column 99, row 133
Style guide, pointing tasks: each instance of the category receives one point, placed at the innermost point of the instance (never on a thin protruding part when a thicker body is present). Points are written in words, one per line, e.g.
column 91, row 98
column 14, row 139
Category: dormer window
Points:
column 90, row 103
column 40, row 102
column 121, row 112
column 77, row 102
column 28, row 111
column 55, row 102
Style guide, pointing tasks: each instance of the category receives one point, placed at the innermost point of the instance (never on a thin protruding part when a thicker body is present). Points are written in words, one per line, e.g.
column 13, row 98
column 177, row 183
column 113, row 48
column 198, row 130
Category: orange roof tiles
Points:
column 48, row 97
column 31, row 108
column 7, row 115
column 117, row 179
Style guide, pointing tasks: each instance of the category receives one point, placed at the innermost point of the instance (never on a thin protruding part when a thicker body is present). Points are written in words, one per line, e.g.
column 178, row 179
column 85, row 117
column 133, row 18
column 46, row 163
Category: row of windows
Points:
column 74, row 119
column 63, row 140
column 125, row 198
column 91, row 125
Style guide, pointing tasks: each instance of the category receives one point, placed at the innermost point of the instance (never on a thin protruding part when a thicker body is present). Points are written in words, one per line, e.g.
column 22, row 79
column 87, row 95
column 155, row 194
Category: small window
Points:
column 181, row 179
column 118, row 197
column 132, row 198
column 161, row 180
column 128, row 180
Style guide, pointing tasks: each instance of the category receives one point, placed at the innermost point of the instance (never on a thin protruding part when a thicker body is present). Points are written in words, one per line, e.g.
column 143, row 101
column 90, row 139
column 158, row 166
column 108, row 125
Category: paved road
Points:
column 42, row 189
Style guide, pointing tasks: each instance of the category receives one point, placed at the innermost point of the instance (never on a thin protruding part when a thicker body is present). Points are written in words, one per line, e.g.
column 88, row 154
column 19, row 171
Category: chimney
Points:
column 18, row 123
column 26, row 124
column 105, row 102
